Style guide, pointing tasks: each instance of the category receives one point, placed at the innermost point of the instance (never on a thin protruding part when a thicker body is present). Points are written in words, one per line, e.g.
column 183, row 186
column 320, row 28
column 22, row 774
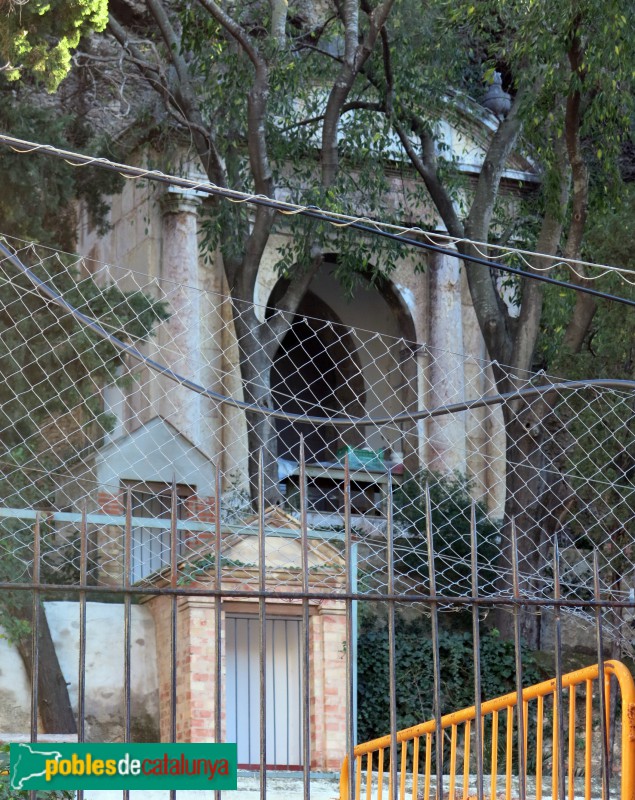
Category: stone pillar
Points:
column 179, row 338
column 476, row 432
column 485, row 428
column 328, row 685
column 213, row 324
column 446, row 435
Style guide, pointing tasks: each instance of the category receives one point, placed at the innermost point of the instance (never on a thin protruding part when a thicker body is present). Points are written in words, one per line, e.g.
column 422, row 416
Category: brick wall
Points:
column 196, row 643
column 110, row 538
column 327, row 665
column 195, row 673
column 110, row 543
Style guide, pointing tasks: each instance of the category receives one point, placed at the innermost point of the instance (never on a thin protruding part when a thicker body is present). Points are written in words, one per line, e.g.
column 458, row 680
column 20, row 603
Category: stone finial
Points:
column 496, row 100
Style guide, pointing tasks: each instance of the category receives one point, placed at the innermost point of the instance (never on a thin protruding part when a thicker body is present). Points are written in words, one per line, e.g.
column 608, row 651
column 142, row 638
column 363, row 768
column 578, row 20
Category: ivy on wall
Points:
column 414, row 671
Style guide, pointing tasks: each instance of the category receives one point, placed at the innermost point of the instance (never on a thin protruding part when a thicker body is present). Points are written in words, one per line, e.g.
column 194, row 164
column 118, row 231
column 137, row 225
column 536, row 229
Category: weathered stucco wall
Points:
column 105, row 701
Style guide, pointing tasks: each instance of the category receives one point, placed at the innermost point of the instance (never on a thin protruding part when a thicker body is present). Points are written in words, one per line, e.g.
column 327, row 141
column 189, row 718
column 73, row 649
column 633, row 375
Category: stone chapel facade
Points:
column 164, row 432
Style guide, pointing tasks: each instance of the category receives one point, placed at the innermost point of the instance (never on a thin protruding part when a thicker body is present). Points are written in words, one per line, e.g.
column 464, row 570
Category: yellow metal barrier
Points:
column 580, row 740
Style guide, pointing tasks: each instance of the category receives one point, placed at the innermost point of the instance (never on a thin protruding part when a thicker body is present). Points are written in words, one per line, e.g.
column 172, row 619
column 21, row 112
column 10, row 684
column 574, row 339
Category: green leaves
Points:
column 37, row 38
column 39, row 200
column 414, row 671
column 60, row 374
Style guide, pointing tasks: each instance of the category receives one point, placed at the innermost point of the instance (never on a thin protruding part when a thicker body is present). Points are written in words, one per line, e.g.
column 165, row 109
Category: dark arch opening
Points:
column 315, row 371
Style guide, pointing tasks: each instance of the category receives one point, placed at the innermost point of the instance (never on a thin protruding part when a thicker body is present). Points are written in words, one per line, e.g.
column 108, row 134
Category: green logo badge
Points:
column 123, row 766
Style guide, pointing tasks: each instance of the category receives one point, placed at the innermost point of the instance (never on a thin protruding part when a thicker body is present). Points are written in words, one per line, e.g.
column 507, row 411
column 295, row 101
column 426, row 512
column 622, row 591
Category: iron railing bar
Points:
column 81, row 679
column 604, row 733
column 436, row 661
column 476, row 653
column 81, row 683
column 218, row 582
column 248, row 626
column 35, row 636
column 274, row 709
column 522, row 767
column 559, row 722
column 262, row 620
column 392, row 647
column 306, row 695
column 350, row 727
column 127, row 565
column 173, row 616
column 285, row 628
column 426, row 599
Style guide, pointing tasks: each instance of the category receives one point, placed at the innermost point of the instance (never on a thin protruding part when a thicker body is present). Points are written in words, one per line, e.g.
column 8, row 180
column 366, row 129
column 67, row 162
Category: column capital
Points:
column 180, row 201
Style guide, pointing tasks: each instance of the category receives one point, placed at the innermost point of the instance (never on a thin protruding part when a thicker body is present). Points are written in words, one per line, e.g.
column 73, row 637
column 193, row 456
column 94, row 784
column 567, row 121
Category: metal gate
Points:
column 284, row 690
column 540, row 534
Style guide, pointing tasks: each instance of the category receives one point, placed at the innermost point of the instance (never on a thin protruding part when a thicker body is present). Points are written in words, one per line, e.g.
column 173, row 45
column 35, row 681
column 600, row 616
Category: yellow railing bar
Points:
column 538, row 691
column 402, row 780
column 509, row 752
column 415, row 768
column 494, row 752
column 555, row 752
column 588, row 738
column 571, row 741
column 426, row 788
column 466, row 759
column 453, row 760
column 540, row 709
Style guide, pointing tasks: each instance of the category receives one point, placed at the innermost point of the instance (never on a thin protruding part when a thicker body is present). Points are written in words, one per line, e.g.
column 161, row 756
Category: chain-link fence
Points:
column 156, row 437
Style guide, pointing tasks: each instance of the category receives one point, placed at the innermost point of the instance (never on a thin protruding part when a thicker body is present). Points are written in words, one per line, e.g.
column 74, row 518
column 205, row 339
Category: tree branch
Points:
column 528, row 323
column 490, row 309
column 585, row 305
column 174, row 104
column 492, row 170
column 256, row 103
column 426, row 166
column 355, row 105
column 351, row 67
column 388, row 73
column 294, row 293
column 236, row 31
column 279, row 9
column 150, row 72
column 204, row 143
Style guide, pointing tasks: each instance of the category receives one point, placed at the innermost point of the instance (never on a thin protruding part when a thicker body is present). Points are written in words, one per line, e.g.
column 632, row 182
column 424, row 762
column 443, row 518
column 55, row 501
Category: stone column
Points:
column 446, row 434
column 213, row 324
column 476, row 433
column 485, row 428
column 180, row 339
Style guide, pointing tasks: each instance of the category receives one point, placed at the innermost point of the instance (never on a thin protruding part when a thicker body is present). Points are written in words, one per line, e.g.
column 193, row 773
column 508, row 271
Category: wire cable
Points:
column 532, row 391
column 362, row 224
column 286, row 207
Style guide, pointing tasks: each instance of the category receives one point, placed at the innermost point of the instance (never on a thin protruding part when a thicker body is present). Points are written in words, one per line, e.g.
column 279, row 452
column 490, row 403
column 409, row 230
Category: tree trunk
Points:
column 526, row 436
column 257, row 350
column 538, row 498
column 54, row 704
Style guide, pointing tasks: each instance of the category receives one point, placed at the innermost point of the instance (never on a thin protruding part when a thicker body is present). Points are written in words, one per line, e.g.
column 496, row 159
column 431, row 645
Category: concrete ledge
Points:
column 56, row 738
column 278, row 788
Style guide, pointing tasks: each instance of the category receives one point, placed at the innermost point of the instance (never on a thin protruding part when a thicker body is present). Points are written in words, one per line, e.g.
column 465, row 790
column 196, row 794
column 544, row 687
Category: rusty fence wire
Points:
column 237, row 482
